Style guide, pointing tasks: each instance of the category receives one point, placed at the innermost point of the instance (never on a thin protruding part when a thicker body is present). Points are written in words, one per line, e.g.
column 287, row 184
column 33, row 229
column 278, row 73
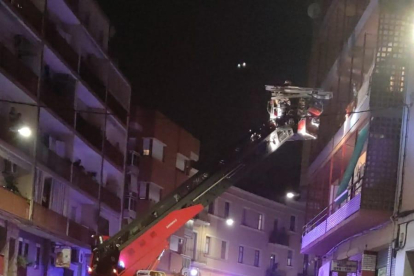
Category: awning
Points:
column 342, row 192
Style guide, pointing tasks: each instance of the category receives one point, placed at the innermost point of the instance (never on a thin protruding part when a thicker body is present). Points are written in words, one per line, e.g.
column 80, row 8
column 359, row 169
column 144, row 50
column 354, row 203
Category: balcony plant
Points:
column 10, row 183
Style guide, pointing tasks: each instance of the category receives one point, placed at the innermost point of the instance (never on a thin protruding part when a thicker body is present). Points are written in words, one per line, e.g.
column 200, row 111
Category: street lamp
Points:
column 25, row 131
column 229, row 222
column 193, row 272
column 290, row 195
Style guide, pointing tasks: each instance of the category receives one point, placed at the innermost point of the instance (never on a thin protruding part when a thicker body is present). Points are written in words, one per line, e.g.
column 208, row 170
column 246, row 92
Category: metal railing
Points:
column 353, row 190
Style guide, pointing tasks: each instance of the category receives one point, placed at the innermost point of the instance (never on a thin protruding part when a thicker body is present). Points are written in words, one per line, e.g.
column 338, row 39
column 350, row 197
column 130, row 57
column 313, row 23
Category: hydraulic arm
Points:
column 138, row 245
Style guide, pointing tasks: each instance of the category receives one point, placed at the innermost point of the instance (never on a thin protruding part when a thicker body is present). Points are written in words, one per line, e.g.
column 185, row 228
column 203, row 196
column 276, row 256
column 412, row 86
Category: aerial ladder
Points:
column 140, row 245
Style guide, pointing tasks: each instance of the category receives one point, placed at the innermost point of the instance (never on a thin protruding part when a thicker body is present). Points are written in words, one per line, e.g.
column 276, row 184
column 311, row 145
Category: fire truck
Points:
column 138, row 247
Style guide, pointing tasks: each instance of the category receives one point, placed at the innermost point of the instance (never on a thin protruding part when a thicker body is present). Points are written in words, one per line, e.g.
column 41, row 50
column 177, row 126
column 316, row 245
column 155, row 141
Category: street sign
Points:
column 344, row 266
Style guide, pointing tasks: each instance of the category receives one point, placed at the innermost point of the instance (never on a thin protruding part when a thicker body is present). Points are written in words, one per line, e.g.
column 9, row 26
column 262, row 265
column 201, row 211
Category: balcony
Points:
column 14, row 67
column 85, row 181
column 14, row 204
column 114, row 154
column 56, row 223
column 92, row 80
column 340, row 221
column 117, row 109
column 279, row 236
column 13, row 138
column 153, row 170
column 60, row 45
column 90, row 132
column 49, row 219
column 111, row 199
column 61, row 104
column 53, row 161
column 80, row 232
column 29, row 12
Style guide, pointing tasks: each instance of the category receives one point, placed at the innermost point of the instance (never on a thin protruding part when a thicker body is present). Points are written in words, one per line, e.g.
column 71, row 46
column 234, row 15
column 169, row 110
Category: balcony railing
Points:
column 111, row 199
column 92, row 80
column 14, row 204
column 80, row 232
column 60, row 104
column 18, row 70
column 13, row 138
column 53, row 161
column 29, row 12
column 117, row 109
column 91, row 133
column 114, row 154
column 60, row 45
column 85, row 182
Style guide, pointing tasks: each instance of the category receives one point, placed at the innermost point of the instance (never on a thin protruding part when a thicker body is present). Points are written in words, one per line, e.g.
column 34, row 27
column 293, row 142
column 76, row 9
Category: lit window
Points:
column 207, row 246
column 260, row 222
column 289, row 258
column 256, row 258
column 241, row 253
column 226, row 209
column 272, row 261
column 223, row 249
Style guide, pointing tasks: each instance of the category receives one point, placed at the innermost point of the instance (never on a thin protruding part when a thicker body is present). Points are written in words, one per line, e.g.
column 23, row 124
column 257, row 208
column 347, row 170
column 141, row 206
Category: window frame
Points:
column 256, row 262
column 289, row 259
column 207, row 245
column 292, row 225
column 241, row 254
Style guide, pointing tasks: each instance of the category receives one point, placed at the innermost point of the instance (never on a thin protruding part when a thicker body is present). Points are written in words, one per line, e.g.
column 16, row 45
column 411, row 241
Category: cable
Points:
column 307, row 116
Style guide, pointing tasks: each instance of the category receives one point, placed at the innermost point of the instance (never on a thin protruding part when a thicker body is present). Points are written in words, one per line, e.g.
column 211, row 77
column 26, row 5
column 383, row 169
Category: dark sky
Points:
column 181, row 57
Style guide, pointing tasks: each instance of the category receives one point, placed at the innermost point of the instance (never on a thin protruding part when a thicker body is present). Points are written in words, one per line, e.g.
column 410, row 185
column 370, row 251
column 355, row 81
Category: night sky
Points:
column 181, row 57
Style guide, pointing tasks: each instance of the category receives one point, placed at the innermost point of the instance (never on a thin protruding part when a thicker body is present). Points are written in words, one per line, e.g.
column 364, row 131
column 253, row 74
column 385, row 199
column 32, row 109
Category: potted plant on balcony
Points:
column 22, row 264
column 10, row 183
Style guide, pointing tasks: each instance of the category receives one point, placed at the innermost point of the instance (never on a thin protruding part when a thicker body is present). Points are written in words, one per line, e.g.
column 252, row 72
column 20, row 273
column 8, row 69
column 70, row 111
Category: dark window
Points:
column 20, row 250
column 226, row 209
column 103, row 226
column 256, row 258
column 37, row 260
column 244, row 217
column 260, row 222
column 289, row 258
column 275, row 224
column 47, row 190
column 207, row 247
column 272, row 261
column 241, row 253
column 223, row 249
column 292, row 226
column 26, row 250
column 211, row 208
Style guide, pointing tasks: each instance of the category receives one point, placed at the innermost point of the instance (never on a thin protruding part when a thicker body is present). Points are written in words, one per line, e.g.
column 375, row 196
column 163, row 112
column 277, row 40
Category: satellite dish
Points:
column 314, row 11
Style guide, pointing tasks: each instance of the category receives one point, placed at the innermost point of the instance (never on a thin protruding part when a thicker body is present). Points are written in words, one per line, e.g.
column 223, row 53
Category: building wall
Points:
column 250, row 237
column 56, row 73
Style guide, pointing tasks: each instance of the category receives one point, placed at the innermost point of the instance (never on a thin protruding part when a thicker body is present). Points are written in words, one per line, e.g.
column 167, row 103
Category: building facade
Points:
column 64, row 109
column 245, row 234
column 357, row 191
column 166, row 154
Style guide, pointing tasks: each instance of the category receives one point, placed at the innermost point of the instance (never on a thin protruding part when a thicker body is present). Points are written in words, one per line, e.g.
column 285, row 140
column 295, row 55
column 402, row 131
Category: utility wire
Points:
column 107, row 113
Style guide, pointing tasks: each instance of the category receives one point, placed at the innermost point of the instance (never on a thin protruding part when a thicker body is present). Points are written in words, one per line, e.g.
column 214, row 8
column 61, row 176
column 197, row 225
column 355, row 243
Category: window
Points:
column 289, row 258
column 226, row 209
column 211, row 208
column 272, row 261
column 260, row 222
column 73, row 211
column 26, row 250
column 37, row 260
column 20, row 250
column 176, row 244
column 186, row 263
column 241, row 252
column 146, row 147
column 149, row 191
column 47, row 191
column 256, row 258
column 207, row 246
column 292, row 226
column 244, row 217
column 275, row 224
column 223, row 250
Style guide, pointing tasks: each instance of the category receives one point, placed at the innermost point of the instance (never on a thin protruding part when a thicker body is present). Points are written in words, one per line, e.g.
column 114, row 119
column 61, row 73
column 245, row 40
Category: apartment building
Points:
column 358, row 196
column 165, row 154
column 63, row 132
column 244, row 234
